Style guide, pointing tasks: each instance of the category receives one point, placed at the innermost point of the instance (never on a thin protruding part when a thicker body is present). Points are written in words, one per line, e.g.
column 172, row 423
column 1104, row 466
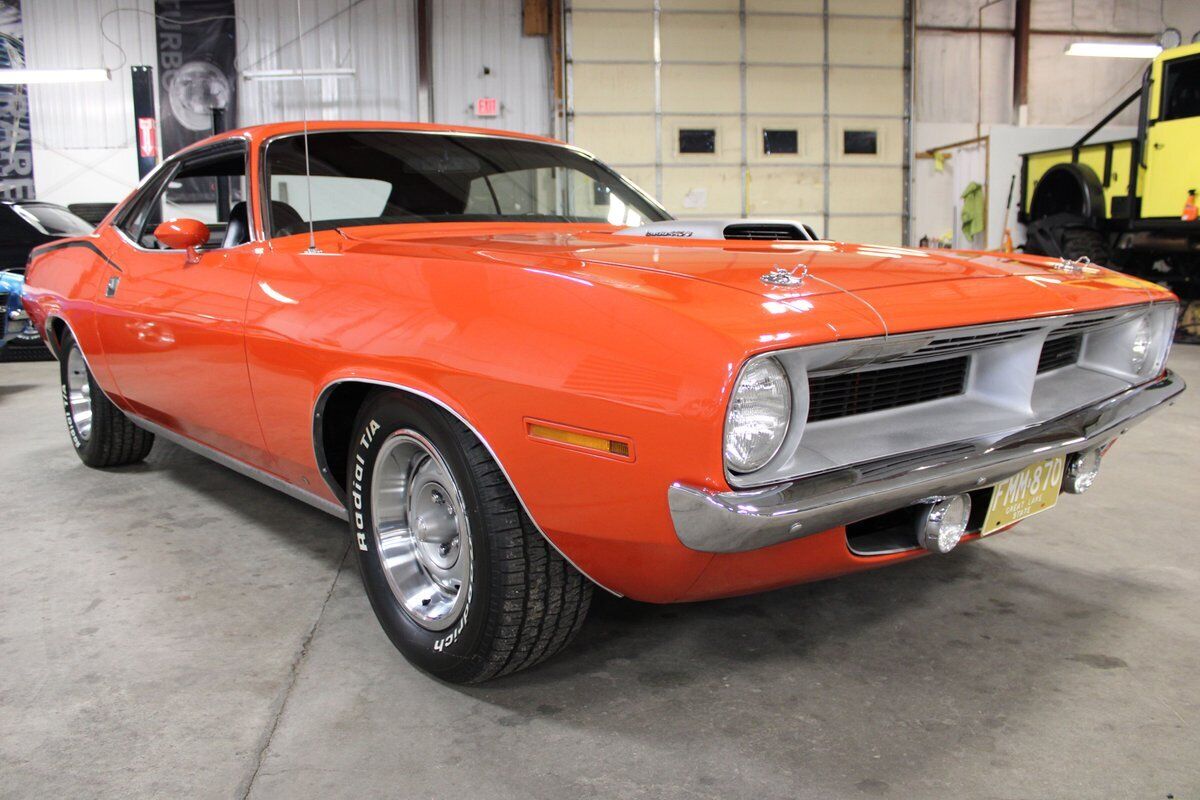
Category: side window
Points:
column 1181, row 88
column 209, row 186
column 133, row 219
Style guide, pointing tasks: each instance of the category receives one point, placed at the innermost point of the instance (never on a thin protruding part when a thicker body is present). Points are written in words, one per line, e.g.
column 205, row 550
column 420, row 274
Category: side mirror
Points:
column 183, row 234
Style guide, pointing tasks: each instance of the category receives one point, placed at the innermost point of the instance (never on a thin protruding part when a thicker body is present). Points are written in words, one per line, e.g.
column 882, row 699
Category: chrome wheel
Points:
column 79, row 393
column 421, row 530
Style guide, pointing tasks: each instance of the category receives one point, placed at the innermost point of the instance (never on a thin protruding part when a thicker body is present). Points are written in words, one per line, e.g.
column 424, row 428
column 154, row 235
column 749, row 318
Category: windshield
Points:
column 374, row 178
column 52, row 220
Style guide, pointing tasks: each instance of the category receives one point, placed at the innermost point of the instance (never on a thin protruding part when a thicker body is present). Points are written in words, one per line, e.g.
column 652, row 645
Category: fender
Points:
column 1069, row 188
column 319, row 452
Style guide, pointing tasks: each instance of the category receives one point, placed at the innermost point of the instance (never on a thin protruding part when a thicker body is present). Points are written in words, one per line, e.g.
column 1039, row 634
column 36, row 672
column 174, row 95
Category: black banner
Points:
column 196, row 51
column 16, row 149
column 145, row 122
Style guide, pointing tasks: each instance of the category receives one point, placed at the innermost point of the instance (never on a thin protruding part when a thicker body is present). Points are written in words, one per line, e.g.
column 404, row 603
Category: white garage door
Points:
column 785, row 108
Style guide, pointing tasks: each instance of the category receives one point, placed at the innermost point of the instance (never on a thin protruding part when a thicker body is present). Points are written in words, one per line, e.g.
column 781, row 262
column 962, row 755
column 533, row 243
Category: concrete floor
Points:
column 176, row 630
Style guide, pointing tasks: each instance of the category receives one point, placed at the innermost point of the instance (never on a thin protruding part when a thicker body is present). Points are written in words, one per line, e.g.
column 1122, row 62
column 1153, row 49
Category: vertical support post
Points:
column 1021, row 62
column 745, row 166
column 568, row 24
column 827, row 151
column 145, row 120
column 425, row 109
column 909, row 66
column 658, row 127
column 558, row 94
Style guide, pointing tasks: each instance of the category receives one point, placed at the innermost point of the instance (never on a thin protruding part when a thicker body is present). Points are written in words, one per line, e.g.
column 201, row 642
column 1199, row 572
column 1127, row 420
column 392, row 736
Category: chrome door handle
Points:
column 1159, row 145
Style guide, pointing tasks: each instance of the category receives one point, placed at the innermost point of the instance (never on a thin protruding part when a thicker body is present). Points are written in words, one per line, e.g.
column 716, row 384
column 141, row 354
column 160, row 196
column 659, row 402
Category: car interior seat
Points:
column 237, row 231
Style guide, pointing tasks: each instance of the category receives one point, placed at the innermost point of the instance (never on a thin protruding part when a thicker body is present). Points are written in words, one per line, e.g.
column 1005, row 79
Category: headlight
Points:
column 1139, row 349
column 759, row 412
column 1150, row 343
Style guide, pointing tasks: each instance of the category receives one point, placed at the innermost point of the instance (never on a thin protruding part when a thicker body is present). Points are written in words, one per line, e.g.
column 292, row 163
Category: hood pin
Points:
column 784, row 277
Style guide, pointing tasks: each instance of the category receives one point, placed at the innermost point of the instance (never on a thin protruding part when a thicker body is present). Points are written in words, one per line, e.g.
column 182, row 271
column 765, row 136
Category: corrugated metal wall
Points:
column 83, row 134
column 1063, row 90
column 479, row 51
column 374, row 37
column 64, row 34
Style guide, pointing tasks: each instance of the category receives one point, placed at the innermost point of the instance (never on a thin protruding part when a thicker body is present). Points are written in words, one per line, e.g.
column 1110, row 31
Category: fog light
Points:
column 1082, row 469
column 942, row 524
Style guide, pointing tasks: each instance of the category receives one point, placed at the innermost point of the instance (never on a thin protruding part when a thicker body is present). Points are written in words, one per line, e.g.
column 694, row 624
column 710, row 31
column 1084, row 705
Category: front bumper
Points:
column 732, row 522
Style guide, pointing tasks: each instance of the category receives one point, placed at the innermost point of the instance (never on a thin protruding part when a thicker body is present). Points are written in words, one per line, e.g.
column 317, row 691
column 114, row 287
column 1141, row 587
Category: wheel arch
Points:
column 56, row 326
column 333, row 416
column 1068, row 189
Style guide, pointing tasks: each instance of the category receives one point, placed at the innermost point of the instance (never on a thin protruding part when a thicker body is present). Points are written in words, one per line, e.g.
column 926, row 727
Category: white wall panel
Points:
column 788, row 39
column 613, row 36
column 784, row 90
column 471, row 37
column 376, row 38
column 700, row 37
column 64, row 34
column 83, row 134
column 1063, row 90
column 950, row 95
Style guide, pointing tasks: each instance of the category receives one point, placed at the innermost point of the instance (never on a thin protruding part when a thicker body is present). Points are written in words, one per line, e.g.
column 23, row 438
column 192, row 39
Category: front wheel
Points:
column 102, row 435
column 464, row 585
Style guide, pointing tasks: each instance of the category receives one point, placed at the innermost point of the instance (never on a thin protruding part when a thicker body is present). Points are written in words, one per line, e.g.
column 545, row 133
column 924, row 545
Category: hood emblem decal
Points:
column 779, row 276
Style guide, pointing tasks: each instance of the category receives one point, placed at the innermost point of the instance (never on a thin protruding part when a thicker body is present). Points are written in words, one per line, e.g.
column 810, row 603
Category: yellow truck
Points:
column 1129, row 204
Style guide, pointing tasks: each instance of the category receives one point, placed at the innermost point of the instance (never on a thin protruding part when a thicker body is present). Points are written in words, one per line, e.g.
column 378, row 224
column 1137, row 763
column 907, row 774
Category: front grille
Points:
column 1087, row 323
column 836, row 396
column 1060, row 352
column 948, row 345
column 765, row 232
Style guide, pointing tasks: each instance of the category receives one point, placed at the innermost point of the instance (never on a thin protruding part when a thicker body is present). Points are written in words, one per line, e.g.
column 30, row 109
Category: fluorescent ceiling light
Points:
column 10, row 76
column 1114, row 49
column 295, row 74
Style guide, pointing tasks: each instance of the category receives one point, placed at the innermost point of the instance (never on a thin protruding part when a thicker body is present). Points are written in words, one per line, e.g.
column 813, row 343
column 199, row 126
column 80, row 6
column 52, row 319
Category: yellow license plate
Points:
column 1031, row 490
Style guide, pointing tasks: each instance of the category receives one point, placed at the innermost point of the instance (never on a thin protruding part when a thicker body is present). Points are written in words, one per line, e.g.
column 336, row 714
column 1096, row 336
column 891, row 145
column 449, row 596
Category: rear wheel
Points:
column 102, row 435
column 463, row 584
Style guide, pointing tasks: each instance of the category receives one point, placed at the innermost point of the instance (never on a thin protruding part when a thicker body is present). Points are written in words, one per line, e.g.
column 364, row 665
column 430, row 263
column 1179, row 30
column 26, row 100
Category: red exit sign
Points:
column 487, row 107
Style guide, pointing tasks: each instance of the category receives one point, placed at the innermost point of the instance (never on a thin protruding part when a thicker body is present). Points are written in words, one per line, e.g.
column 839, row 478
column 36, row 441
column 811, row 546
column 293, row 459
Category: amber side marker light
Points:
column 581, row 439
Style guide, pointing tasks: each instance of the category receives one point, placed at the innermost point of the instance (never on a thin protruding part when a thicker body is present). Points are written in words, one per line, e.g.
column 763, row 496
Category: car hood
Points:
column 906, row 288
column 825, row 267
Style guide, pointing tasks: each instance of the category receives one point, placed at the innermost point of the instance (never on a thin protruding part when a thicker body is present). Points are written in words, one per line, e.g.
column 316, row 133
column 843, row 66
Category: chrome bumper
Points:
column 731, row 522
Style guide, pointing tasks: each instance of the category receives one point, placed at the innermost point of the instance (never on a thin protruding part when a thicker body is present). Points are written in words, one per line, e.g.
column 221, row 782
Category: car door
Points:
column 172, row 327
column 1172, row 159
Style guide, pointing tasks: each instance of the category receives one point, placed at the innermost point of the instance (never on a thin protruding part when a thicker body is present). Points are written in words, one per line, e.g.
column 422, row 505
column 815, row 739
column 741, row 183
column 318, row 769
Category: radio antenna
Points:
column 312, row 237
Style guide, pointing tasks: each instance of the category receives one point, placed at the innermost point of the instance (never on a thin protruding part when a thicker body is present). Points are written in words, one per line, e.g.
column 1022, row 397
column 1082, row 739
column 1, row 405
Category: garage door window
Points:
column 864, row 143
column 697, row 140
column 780, row 142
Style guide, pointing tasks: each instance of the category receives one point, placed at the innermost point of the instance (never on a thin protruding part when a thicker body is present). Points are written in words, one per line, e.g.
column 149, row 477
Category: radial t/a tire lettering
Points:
column 458, row 576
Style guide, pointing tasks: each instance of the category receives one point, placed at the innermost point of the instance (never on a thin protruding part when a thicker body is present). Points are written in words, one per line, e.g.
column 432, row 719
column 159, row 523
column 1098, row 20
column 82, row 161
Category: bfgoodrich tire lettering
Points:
column 101, row 434
column 524, row 602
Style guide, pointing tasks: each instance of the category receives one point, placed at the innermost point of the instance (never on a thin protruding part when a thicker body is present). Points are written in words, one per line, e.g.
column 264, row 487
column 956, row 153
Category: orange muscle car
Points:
column 519, row 378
